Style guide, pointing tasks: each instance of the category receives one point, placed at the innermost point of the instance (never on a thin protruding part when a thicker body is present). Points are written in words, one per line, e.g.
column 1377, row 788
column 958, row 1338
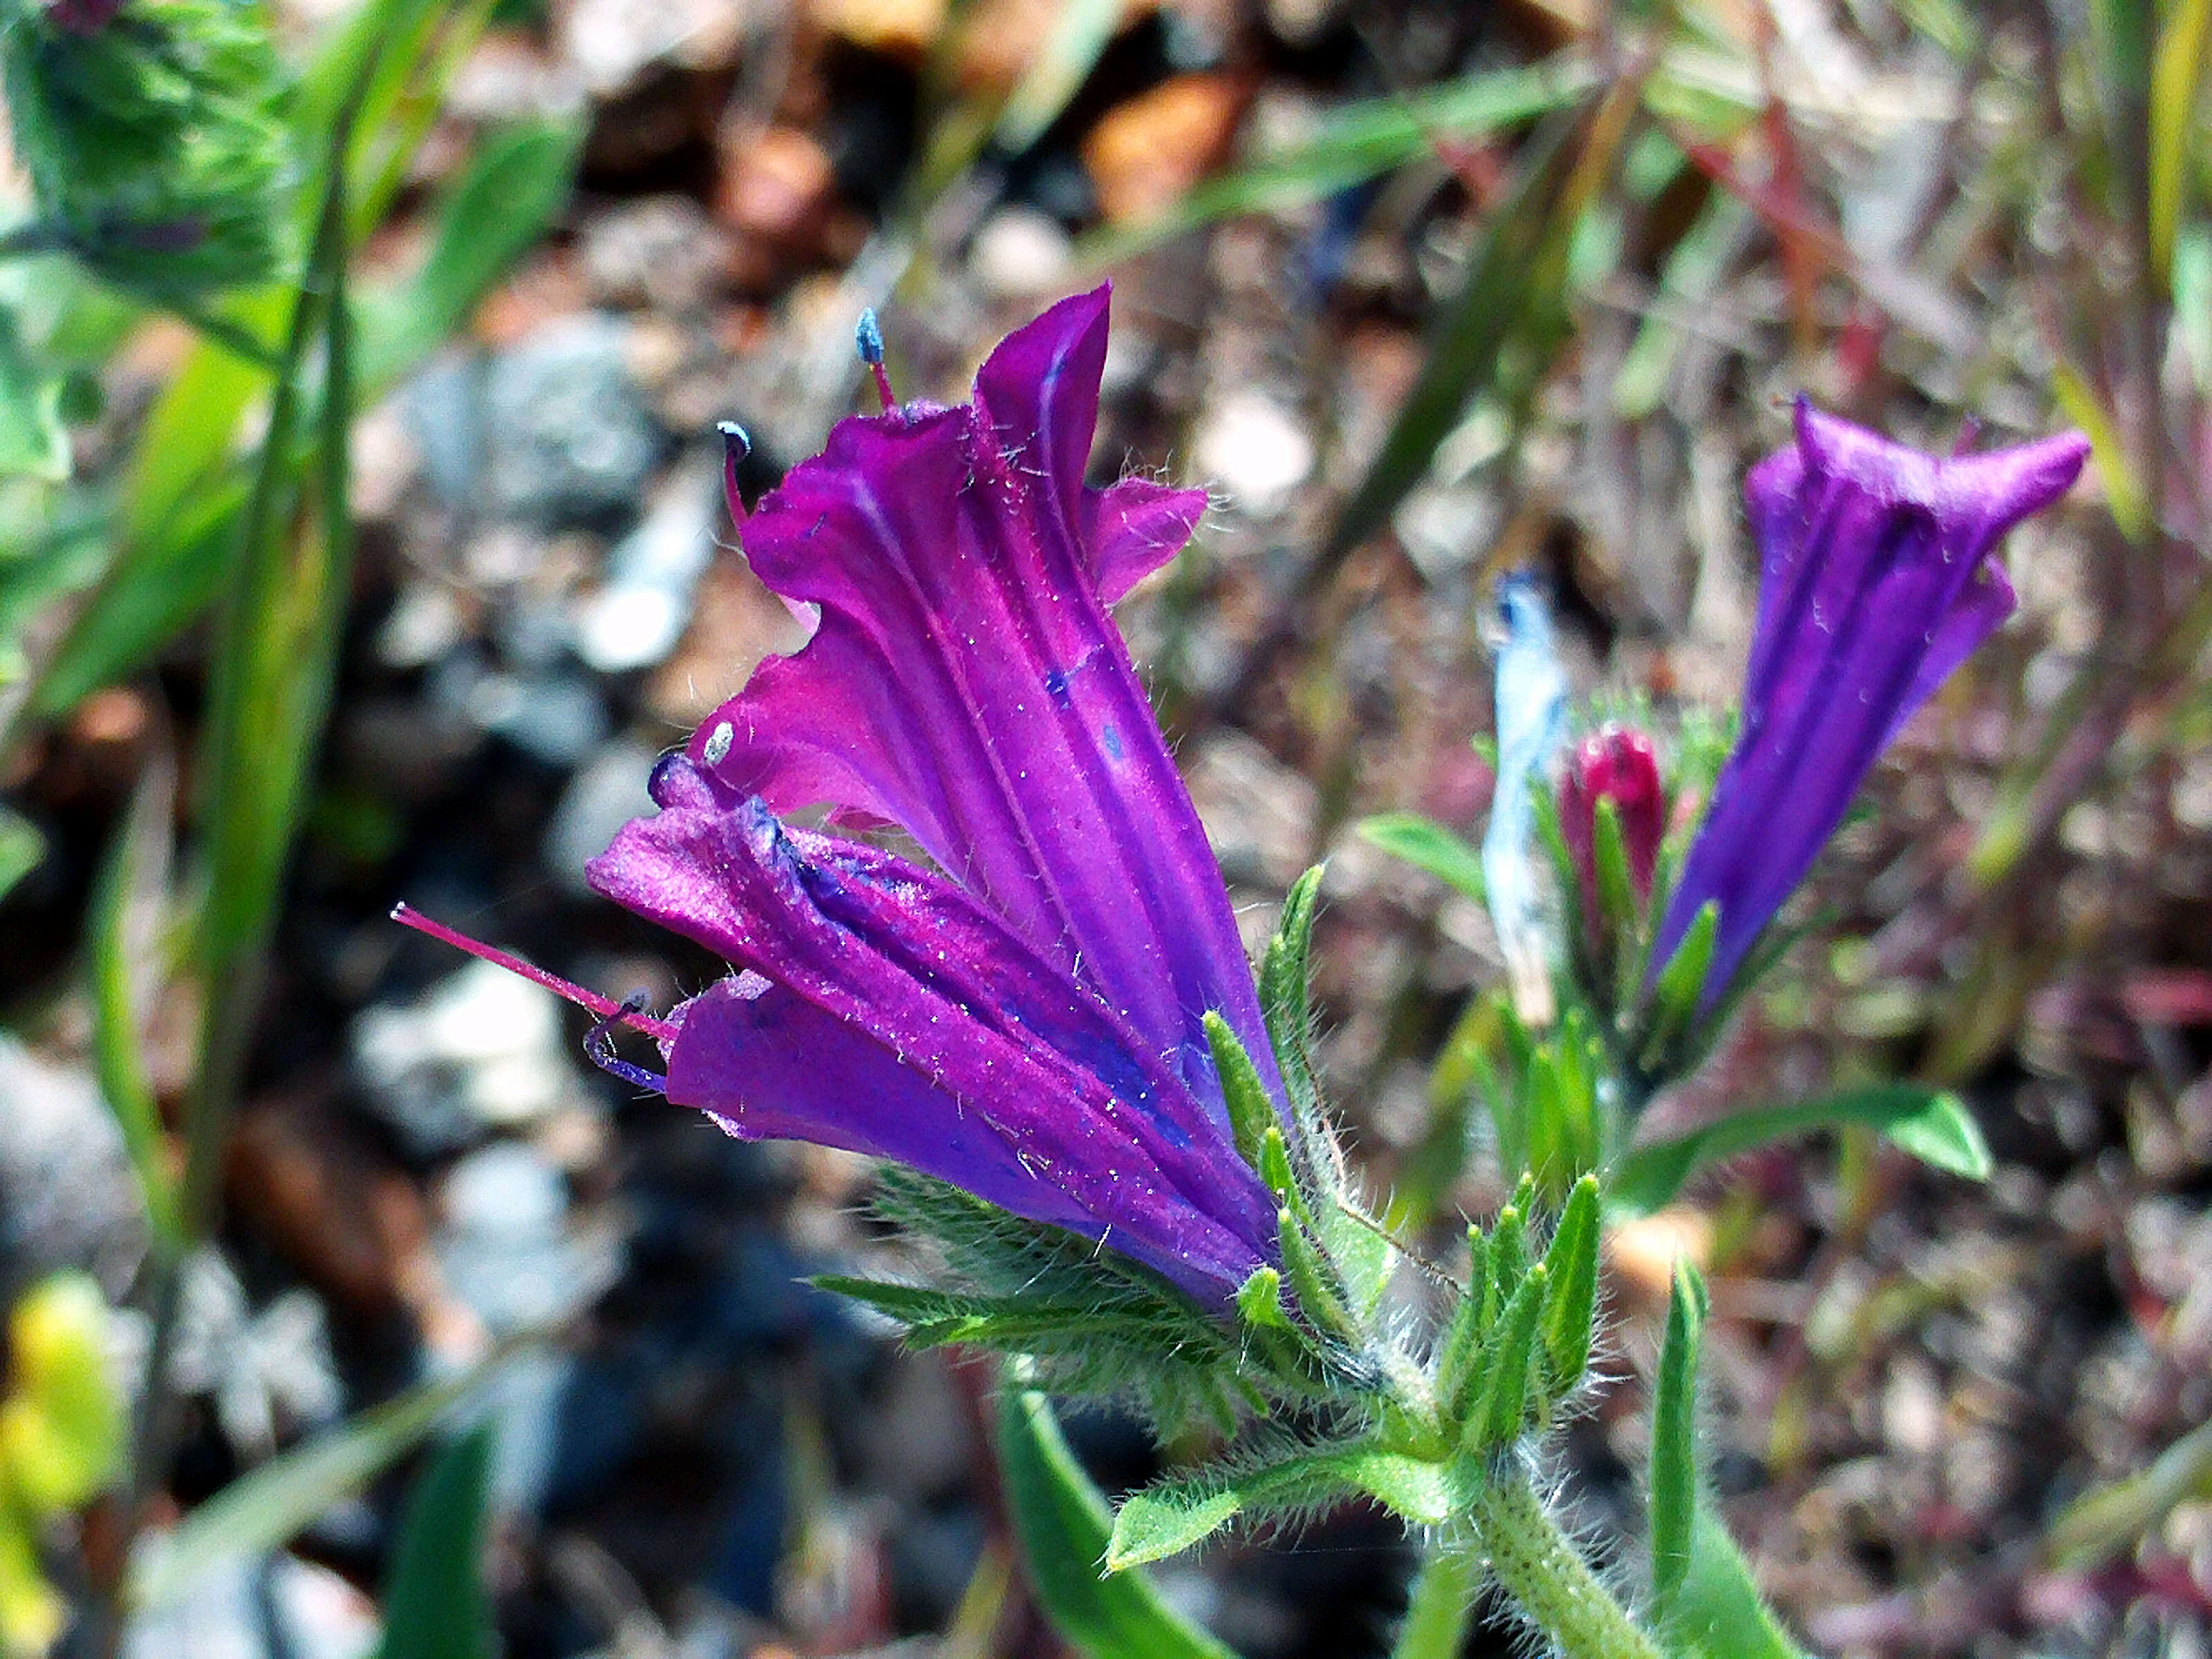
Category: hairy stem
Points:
column 1548, row 1579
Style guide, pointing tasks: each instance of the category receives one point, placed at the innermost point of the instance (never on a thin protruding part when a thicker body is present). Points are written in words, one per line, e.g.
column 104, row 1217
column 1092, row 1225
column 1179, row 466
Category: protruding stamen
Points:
column 608, row 1010
column 599, row 1049
column 868, row 341
column 737, row 444
column 1969, row 430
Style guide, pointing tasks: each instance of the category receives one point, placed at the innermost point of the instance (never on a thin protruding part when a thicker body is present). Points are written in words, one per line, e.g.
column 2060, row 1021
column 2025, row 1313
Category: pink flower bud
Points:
column 1616, row 764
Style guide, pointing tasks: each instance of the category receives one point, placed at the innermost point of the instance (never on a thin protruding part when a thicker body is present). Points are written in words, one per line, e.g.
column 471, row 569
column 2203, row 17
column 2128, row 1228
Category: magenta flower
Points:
column 1878, row 576
column 1618, row 764
column 1024, row 1021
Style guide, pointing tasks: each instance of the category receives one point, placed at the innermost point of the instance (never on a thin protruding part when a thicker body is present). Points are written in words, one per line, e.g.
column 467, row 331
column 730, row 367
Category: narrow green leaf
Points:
column 1171, row 1515
column 1504, row 1403
column 264, row 1510
column 1441, row 1603
column 2175, row 91
column 1515, row 291
column 434, row 1602
column 1427, row 845
column 2123, row 490
column 2111, row 1519
column 130, row 908
column 1680, row 986
column 1356, row 143
column 1616, row 888
column 1251, row 1114
column 1931, row 1124
column 1079, row 33
column 1064, row 1529
column 1674, row 1473
column 1572, row 1263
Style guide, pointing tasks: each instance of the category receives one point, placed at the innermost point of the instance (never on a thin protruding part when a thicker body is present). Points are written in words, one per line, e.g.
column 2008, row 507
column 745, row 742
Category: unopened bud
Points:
column 1618, row 765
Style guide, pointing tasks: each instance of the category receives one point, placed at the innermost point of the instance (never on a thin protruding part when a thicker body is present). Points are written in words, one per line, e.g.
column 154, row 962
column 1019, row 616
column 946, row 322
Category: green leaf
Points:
column 1681, row 984
column 1260, row 1300
column 130, row 908
column 1673, row 1478
column 1572, row 1263
column 1427, row 845
column 434, row 1602
column 1286, row 1477
column 32, row 444
column 1251, row 1114
column 1064, row 1528
column 513, row 188
column 1719, row 1613
column 1931, row 1124
column 262, row 1510
column 1440, row 1604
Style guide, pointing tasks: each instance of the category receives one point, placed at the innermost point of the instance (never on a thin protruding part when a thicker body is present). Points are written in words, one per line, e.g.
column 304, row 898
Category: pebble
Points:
column 67, row 1196
column 1255, row 449
column 482, row 1050
column 1020, row 253
column 603, row 796
column 266, row 1607
column 636, row 618
column 566, row 441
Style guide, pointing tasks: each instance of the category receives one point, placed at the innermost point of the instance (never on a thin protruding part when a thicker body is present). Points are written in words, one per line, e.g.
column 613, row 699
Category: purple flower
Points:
column 1025, row 1020
column 1878, row 576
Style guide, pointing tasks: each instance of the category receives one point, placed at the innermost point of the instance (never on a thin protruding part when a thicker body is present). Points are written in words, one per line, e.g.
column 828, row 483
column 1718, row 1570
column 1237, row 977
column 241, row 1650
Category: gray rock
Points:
column 567, row 439
column 601, row 797
column 67, row 1196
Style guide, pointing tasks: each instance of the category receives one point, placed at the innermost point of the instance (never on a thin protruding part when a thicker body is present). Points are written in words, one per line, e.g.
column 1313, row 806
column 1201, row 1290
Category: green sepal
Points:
column 1674, row 1473
column 1260, row 1301
column 1279, row 1478
column 1680, row 984
column 1313, row 1282
column 1461, row 1347
column 1274, row 1164
column 1283, row 1000
column 1251, row 1114
column 1616, row 888
column 1572, row 1264
column 1503, row 1404
column 1508, row 1256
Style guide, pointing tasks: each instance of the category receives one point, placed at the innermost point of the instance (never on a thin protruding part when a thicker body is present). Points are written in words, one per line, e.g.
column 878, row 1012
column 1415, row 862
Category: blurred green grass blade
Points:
column 186, row 552
column 1428, row 845
column 1692, row 276
column 2123, row 490
column 1358, row 142
column 130, row 914
column 188, row 435
column 1514, row 294
column 1079, row 35
column 264, row 1509
column 1932, row 1125
column 434, row 1602
column 1064, row 1526
column 2177, row 85
column 513, row 189
column 22, row 847
column 2111, row 1520
column 32, row 444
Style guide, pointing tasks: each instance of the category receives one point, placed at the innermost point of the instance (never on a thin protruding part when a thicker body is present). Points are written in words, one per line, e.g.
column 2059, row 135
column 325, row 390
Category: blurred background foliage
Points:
column 359, row 539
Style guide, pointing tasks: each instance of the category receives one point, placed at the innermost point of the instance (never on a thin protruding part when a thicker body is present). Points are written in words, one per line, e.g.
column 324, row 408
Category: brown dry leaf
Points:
column 1644, row 1250
column 1146, row 154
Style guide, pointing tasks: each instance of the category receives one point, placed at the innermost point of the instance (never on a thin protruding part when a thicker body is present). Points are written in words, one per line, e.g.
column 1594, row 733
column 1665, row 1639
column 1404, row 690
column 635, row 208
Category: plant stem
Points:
column 1548, row 1579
